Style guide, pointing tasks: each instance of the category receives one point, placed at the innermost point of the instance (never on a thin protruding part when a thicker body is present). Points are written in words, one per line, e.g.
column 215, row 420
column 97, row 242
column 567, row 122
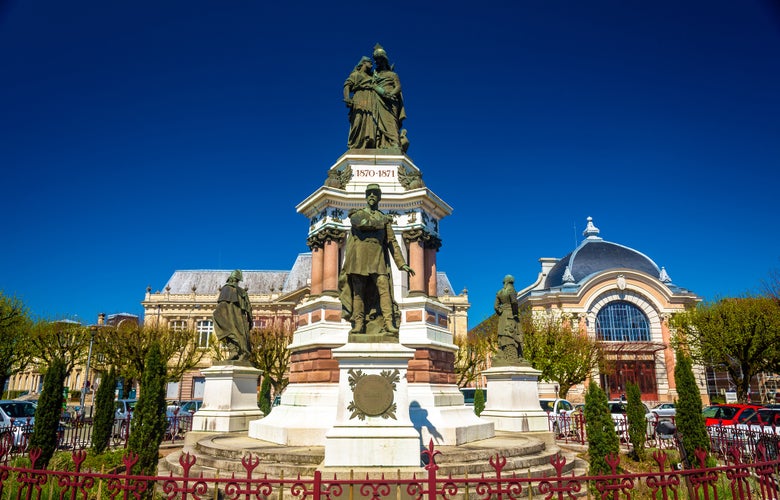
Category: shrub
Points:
column 600, row 428
column 148, row 425
column 103, row 423
column 264, row 398
column 689, row 420
column 48, row 413
column 637, row 421
column 479, row 401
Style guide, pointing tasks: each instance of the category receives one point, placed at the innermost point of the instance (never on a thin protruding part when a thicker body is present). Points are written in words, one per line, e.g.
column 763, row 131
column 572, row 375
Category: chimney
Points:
column 101, row 319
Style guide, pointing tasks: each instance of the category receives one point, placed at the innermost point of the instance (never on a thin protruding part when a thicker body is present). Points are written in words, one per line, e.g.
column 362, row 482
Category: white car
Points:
column 559, row 413
column 17, row 419
column 617, row 408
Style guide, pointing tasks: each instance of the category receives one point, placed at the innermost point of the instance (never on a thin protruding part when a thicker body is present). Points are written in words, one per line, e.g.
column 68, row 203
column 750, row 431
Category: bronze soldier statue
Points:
column 365, row 283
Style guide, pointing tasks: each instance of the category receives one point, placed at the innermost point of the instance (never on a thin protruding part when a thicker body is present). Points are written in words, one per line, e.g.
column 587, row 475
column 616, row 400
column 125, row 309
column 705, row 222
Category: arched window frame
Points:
column 622, row 321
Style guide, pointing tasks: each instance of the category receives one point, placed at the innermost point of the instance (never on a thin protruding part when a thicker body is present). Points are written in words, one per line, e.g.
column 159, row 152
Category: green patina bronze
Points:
column 365, row 282
column 233, row 318
column 510, row 336
column 376, row 106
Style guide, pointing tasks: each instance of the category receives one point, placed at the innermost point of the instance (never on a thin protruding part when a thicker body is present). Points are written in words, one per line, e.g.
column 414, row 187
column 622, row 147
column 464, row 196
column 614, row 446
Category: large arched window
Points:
column 622, row 322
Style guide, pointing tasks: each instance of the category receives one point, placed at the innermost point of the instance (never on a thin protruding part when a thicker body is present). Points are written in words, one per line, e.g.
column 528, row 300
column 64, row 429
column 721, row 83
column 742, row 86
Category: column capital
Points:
column 325, row 235
column 422, row 236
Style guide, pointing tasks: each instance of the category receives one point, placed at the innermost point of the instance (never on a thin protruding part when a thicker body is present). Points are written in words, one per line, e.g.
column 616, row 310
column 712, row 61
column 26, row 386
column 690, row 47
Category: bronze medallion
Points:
column 373, row 395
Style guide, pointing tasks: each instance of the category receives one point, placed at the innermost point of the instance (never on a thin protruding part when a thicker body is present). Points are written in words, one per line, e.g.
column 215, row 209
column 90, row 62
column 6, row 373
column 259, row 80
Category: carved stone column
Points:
column 317, row 260
column 432, row 246
column 415, row 240
column 332, row 239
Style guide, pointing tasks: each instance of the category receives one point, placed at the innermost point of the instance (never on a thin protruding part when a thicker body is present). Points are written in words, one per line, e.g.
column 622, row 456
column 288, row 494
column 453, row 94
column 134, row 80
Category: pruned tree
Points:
column 736, row 335
column 563, row 355
column 147, row 428
column 689, row 420
column 15, row 325
column 474, row 350
column 637, row 421
column 103, row 422
column 600, row 429
column 127, row 346
column 270, row 353
column 62, row 340
column 47, row 415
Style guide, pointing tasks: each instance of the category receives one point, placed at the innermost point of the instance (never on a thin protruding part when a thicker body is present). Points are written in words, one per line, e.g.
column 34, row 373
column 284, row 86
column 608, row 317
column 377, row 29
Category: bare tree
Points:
column 474, row 350
column 127, row 346
column 562, row 354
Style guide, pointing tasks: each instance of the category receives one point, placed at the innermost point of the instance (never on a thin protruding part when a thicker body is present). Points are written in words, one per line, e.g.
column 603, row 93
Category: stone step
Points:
column 222, row 454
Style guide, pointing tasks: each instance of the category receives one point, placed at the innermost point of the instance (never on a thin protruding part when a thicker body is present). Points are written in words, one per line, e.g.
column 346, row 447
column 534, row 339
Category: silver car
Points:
column 16, row 420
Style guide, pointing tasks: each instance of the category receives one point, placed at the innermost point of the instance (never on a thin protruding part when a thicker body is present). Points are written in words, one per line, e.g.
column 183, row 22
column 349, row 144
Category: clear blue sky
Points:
column 138, row 138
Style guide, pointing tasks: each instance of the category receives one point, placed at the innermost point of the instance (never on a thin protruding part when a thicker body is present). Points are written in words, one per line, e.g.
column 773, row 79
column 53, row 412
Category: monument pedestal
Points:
column 372, row 414
column 229, row 399
column 513, row 399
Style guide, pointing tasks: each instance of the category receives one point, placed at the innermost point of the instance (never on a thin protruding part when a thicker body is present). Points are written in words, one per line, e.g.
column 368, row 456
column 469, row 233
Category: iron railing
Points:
column 736, row 479
column 77, row 434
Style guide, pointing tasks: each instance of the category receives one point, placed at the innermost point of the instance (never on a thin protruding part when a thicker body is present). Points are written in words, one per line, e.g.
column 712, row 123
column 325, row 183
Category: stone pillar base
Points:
column 229, row 399
column 372, row 414
column 513, row 399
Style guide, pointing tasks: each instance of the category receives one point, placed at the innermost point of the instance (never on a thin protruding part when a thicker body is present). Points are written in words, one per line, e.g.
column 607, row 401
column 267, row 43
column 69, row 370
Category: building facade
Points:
column 621, row 298
column 189, row 298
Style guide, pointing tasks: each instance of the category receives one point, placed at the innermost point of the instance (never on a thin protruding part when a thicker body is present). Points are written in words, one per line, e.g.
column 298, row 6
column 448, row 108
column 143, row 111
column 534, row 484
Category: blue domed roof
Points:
column 595, row 255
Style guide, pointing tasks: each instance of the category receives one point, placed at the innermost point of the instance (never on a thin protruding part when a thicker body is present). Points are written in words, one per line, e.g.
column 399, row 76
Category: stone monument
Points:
column 378, row 374
column 513, row 404
column 230, row 389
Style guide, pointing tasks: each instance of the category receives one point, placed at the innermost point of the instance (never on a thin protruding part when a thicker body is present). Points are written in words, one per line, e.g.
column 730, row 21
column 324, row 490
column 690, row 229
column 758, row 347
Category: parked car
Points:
column 468, row 395
column 122, row 416
column 728, row 414
column 190, row 406
column 762, row 427
column 664, row 410
column 559, row 413
column 618, row 410
column 16, row 420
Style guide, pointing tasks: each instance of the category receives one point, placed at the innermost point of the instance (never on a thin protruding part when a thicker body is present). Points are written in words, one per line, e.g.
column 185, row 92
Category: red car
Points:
column 728, row 414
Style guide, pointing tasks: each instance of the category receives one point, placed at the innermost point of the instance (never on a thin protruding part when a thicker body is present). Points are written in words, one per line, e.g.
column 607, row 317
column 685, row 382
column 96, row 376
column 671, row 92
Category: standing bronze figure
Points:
column 376, row 105
column 233, row 318
column 359, row 97
column 390, row 113
column 510, row 337
column 365, row 283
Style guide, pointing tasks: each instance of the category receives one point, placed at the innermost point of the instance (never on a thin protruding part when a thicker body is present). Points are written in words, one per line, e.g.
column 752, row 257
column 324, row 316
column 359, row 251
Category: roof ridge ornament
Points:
column 567, row 276
column 663, row 276
column 591, row 232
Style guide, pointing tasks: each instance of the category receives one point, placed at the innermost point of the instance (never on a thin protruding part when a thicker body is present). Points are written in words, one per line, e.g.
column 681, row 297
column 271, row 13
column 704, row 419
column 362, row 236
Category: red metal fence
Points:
column 745, row 437
column 77, row 434
column 736, row 479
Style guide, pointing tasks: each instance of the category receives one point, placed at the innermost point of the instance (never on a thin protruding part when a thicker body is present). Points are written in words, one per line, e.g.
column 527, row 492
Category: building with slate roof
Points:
column 188, row 300
column 624, row 300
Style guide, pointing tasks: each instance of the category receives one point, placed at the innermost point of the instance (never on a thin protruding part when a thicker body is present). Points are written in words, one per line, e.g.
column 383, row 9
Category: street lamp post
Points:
column 92, row 331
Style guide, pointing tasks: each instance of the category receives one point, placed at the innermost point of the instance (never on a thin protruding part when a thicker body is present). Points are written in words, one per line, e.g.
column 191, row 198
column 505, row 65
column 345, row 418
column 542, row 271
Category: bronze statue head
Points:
column 236, row 276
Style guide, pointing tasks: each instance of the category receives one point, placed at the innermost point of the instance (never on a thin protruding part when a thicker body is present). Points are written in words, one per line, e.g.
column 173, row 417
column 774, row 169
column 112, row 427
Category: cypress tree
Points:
column 48, row 413
column 148, row 425
column 637, row 421
column 264, row 401
column 602, row 439
column 103, row 423
column 689, row 420
column 479, row 401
